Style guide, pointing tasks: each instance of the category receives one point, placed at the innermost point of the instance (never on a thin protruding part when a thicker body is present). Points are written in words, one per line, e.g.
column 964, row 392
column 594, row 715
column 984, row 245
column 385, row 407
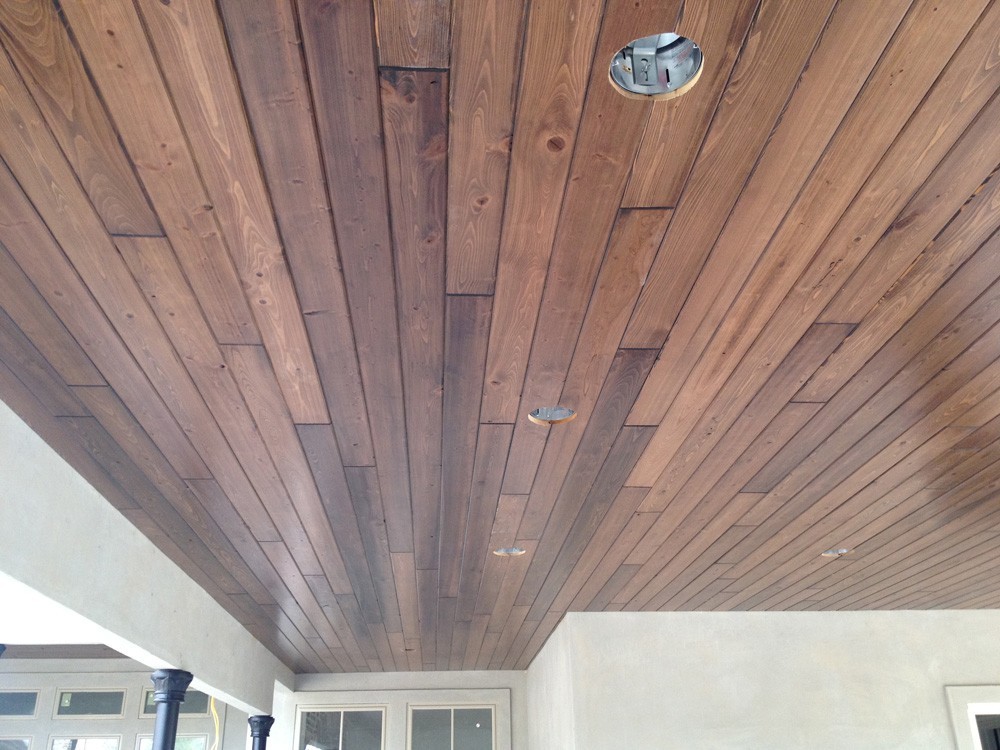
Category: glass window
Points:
column 341, row 730
column 195, row 702
column 451, row 728
column 184, row 742
column 85, row 743
column 20, row 703
column 18, row 743
column 90, row 703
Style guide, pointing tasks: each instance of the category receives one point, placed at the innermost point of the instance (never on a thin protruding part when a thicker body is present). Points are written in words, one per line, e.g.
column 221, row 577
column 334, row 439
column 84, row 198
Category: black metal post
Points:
column 260, row 728
column 169, row 686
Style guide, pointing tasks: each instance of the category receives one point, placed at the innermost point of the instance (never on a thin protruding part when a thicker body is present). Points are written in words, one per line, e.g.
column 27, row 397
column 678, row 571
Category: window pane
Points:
column 85, row 743
column 183, row 742
column 320, row 731
column 431, row 729
column 91, row 703
column 15, row 744
column 195, row 702
column 473, row 729
column 362, row 730
column 18, row 704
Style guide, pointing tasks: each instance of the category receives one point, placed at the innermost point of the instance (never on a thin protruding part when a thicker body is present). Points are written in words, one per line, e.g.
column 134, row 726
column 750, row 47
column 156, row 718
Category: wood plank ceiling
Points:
column 282, row 279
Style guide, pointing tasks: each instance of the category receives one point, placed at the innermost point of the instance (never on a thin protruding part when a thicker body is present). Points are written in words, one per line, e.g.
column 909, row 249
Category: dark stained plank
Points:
column 413, row 33
column 337, row 41
column 405, row 574
column 509, row 511
column 133, row 90
column 492, row 448
column 368, row 508
column 752, row 103
column 719, row 27
column 415, row 121
column 486, row 50
column 32, row 369
column 924, row 140
column 557, row 54
column 615, row 553
column 634, row 240
column 320, row 448
column 39, row 322
column 51, row 67
column 467, row 328
column 427, row 606
column 188, row 40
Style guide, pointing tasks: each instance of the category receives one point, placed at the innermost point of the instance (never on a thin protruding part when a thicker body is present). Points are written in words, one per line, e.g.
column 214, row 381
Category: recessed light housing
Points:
column 837, row 552
column 546, row 415
column 661, row 66
column 509, row 552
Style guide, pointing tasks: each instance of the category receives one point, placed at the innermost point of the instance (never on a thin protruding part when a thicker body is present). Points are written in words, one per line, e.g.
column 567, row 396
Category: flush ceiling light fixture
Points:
column 509, row 552
column 836, row 552
column 546, row 415
column 661, row 66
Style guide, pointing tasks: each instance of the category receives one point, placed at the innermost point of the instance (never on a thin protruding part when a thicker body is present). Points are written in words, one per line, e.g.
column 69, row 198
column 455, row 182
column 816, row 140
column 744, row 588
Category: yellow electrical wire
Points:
column 215, row 723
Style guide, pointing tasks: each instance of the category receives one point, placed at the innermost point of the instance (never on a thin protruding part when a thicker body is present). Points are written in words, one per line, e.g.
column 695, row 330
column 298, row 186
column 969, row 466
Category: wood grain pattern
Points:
column 455, row 222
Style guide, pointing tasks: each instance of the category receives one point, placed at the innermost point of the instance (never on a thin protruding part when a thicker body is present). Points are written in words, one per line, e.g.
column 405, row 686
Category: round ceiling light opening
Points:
column 661, row 66
column 509, row 552
column 836, row 552
column 546, row 415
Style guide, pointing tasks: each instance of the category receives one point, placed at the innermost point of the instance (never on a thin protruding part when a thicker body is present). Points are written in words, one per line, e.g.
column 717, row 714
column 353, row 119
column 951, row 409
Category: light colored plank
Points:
column 413, row 33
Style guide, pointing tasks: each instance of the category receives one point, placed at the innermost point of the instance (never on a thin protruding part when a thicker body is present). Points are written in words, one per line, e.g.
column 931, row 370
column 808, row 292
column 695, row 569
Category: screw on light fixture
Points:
column 546, row 415
column 658, row 67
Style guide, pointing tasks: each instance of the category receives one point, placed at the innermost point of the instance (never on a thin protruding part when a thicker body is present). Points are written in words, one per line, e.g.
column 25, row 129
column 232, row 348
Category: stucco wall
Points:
column 851, row 680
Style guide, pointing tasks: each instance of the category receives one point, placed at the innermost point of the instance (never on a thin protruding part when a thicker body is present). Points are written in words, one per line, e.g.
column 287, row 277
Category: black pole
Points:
column 260, row 727
column 169, row 686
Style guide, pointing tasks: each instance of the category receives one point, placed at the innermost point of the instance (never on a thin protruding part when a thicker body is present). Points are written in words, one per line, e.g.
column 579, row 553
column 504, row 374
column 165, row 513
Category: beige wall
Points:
column 780, row 681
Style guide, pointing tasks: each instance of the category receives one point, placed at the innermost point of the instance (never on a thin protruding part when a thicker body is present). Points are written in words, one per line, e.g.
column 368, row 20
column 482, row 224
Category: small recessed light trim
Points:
column 546, row 415
column 660, row 66
column 509, row 552
column 840, row 552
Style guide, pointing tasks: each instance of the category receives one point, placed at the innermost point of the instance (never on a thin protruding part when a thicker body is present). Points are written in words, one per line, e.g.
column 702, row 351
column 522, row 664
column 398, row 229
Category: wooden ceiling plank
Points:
column 32, row 369
column 510, row 631
column 132, row 88
column 405, row 574
column 251, row 369
column 570, row 537
column 515, row 569
column 189, row 41
column 674, row 563
column 27, row 406
column 340, row 61
column 778, row 46
column 484, row 506
column 415, row 123
column 386, row 657
column 368, row 508
column 486, row 47
column 32, row 314
column 553, row 510
column 356, row 642
column 556, row 63
column 719, row 27
column 119, row 423
column 678, row 602
column 621, row 545
column 608, row 137
column 320, row 448
column 940, row 260
column 510, row 510
column 537, row 640
column 765, row 319
column 268, row 59
column 52, row 69
column 467, row 328
column 634, row 240
column 474, row 644
column 155, row 270
column 148, row 497
column 525, row 634
column 444, row 632
column 604, row 601
column 427, row 605
column 818, row 118
column 287, row 627
column 413, row 33
column 622, row 509
column 459, row 643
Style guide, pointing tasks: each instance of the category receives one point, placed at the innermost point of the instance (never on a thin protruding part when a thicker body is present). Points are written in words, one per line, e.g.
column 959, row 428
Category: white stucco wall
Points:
column 550, row 695
column 59, row 537
column 744, row 681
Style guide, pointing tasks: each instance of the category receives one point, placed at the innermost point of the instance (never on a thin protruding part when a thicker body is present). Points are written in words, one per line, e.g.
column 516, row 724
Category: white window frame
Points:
column 182, row 714
column 965, row 703
column 80, row 736
column 56, row 716
column 451, row 707
column 381, row 708
column 147, row 736
column 7, row 738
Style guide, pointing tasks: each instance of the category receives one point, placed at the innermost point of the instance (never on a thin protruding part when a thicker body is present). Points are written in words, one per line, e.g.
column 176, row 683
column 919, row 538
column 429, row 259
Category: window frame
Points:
column 56, row 716
column 50, row 745
column 16, row 717
column 965, row 702
column 494, row 710
column 181, row 714
column 304, row 709
column 29, row 739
